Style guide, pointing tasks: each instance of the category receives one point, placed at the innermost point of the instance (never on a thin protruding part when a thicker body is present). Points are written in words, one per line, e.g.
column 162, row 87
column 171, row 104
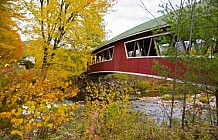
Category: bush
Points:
column 108, row 117
column 31, row 110
column 142, row 85
column 120, row 77
column 203, row 99
column 105, row 116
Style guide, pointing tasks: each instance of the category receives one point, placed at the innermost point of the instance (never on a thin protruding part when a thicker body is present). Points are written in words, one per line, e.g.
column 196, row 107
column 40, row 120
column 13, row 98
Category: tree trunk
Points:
column 45, row 62
column 216, row 94
column 184, row 103
column 176, row 58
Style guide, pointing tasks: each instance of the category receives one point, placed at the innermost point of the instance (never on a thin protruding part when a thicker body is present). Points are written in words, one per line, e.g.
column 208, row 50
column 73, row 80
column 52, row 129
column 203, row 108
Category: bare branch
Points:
column 145, row 8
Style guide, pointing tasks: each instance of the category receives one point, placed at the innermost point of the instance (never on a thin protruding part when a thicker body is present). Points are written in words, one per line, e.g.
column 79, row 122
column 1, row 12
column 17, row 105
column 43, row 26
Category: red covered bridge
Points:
column 132, row 52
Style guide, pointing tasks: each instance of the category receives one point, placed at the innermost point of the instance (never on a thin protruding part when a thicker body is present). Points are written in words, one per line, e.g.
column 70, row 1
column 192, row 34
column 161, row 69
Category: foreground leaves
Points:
column 32, row 109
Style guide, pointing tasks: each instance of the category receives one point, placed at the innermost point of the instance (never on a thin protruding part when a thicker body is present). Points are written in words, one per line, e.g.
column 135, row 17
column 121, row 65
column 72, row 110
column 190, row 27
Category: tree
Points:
column 64, row 30
column 195, row 23
column 11, row 47
column 61, row 32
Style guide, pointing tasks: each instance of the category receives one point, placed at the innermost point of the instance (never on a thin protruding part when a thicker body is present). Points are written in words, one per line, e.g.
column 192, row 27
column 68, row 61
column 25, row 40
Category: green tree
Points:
column 193, row 30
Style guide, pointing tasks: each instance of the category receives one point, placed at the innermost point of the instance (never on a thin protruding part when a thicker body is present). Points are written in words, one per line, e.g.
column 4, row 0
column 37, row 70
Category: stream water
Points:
column 155, row 110
column 152, row 105
column 158, row 109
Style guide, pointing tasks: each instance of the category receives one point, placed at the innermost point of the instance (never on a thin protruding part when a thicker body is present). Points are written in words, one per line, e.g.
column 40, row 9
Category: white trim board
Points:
column 147, row 75
column 139, row 74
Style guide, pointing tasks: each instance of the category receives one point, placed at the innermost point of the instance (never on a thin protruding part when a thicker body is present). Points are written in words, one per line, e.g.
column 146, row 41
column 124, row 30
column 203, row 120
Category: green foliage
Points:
column 106, row 106
column 120, row 77
column 142, row 85
column 191, row 48
column 201, row 17
column 168, row 97
column 162, row 70
column 108, row 116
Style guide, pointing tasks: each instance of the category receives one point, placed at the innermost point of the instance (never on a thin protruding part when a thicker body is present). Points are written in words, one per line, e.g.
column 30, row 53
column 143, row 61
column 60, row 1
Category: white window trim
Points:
column 151, row 36
column 104, row 50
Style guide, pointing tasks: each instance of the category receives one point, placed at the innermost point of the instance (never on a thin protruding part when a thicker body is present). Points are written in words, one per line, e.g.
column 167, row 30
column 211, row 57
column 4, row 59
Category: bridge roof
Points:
column 144, row 27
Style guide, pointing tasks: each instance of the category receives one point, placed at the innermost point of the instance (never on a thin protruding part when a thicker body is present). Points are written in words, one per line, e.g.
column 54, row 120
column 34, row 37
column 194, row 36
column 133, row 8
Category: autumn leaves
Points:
column 60, row 35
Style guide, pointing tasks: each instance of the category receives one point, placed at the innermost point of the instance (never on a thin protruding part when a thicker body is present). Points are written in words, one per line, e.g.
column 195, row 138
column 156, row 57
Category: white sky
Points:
column 129, row 13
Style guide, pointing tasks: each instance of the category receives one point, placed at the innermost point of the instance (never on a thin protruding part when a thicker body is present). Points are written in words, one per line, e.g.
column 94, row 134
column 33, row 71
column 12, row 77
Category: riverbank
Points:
column 132, row 107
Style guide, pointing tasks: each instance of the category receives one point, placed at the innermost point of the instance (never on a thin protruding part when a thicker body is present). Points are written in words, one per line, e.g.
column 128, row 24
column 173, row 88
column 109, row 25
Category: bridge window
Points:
column 183, row 47
column 140, row 48
column 104, row 55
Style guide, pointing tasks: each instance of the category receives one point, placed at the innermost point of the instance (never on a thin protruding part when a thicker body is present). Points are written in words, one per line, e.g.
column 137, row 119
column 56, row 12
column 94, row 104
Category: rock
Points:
column 159, row 102
column 198, row 95
column 142, row 99
column 199, row 103
column 212, row 104
column 193, row 96
column 138, row 92
column 167, row 103
column 176, row 101
column 166, row 97
column 203, row 94
column 213, row 99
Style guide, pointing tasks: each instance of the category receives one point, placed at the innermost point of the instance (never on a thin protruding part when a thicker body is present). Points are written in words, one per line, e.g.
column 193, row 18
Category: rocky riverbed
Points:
column 160, row 109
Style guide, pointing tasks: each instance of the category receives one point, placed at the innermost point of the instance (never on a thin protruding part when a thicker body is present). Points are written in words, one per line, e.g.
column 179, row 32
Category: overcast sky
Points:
column 128, row 14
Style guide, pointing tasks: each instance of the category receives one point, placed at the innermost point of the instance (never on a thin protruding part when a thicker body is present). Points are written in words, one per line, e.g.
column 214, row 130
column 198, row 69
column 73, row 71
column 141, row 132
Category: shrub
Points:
column 120, row 77
column 31, row 111
column 203, row 99
column 142, row 85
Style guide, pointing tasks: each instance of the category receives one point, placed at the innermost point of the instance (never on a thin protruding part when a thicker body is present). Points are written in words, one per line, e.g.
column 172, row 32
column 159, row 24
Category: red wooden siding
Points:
column 120, row 63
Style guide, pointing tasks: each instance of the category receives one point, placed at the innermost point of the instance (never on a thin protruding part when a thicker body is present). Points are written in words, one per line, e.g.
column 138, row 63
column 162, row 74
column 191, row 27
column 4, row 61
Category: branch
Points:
column 144, row 7
column 174, row 10
column 42, row 22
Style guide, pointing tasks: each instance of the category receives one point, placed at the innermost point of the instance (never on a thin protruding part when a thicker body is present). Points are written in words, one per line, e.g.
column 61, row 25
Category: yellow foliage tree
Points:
column 64, row 30
column 11, row 47
column 62, row 33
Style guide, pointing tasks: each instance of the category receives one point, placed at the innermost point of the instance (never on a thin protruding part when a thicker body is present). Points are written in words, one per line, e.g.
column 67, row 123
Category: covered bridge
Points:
column 132, row 52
